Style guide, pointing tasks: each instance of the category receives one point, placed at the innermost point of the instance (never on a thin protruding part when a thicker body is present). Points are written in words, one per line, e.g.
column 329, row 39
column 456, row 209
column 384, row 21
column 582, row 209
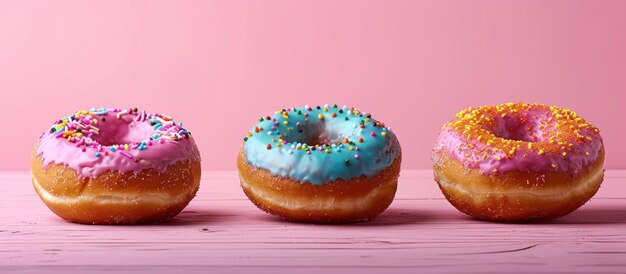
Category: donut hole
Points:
column 122, row 131
column 321, row 134
column 517, row 128
column 321, row 139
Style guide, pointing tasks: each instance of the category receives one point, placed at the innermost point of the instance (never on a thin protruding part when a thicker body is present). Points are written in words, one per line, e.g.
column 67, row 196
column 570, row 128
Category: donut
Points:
column 321, row 164
column 114, row 166
column 518, row 162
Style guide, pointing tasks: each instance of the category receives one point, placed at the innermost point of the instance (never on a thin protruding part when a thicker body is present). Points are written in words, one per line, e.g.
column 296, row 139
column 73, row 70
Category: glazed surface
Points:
column 520, row 137
column 92, row 142
column 321, row 144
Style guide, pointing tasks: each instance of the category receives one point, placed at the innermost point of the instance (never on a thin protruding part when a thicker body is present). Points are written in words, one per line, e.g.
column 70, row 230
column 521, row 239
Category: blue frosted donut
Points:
column 318, row 146
column 321, row 144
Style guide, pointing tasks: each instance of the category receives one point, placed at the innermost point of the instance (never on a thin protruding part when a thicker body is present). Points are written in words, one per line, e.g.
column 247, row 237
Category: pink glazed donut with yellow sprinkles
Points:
column 518, row 162
column 116, row 166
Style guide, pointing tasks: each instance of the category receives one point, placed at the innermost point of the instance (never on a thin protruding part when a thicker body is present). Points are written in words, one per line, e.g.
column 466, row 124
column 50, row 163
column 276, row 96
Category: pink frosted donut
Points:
column 106, row 166
column 518, row 162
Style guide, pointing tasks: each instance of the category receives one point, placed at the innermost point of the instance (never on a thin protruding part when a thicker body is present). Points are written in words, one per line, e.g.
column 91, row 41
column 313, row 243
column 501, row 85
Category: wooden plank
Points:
column 222, row 231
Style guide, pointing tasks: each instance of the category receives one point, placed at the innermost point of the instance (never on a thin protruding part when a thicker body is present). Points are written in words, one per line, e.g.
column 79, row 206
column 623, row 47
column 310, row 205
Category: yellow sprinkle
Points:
column 553, row 165
column 95, row 121
column 498, row 158
column 564, row 153
column 325, row 109
column 117, row 115
column 587, row 153
column 285, row 122
column 541, row 151
column 384, row 133
column 495, row 170
column 530, row 145
column 367, row 120
column 320, row 116
column 351, row 148
column 495, row 149
column 327, row 150
column 125, row 146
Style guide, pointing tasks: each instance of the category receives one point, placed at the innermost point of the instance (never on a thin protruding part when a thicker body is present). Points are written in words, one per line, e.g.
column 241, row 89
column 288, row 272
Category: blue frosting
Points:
column 350, row 144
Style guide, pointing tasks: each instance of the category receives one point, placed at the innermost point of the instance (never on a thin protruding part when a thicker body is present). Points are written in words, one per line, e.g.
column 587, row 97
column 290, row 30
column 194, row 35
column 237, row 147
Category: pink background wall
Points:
column 217, row 66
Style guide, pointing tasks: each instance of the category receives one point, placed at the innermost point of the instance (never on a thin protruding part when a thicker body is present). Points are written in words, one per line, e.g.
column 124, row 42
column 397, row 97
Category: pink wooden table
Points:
column 223, row 232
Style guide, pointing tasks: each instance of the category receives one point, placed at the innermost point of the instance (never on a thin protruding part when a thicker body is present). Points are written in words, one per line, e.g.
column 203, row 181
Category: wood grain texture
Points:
column 223, row 232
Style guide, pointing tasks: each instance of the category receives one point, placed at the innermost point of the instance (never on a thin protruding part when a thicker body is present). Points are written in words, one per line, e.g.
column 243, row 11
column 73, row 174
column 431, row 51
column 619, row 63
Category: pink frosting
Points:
column 102, row 146
column 534, row 124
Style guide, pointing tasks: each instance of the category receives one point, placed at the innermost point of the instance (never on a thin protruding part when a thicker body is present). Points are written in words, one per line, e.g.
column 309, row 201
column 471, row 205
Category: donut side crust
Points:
column 340, row 201
column 516, row 196
column 113, row 197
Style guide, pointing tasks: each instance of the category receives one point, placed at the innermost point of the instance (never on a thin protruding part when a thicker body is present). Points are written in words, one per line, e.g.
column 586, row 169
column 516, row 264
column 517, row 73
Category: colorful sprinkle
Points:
column 126, row 154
